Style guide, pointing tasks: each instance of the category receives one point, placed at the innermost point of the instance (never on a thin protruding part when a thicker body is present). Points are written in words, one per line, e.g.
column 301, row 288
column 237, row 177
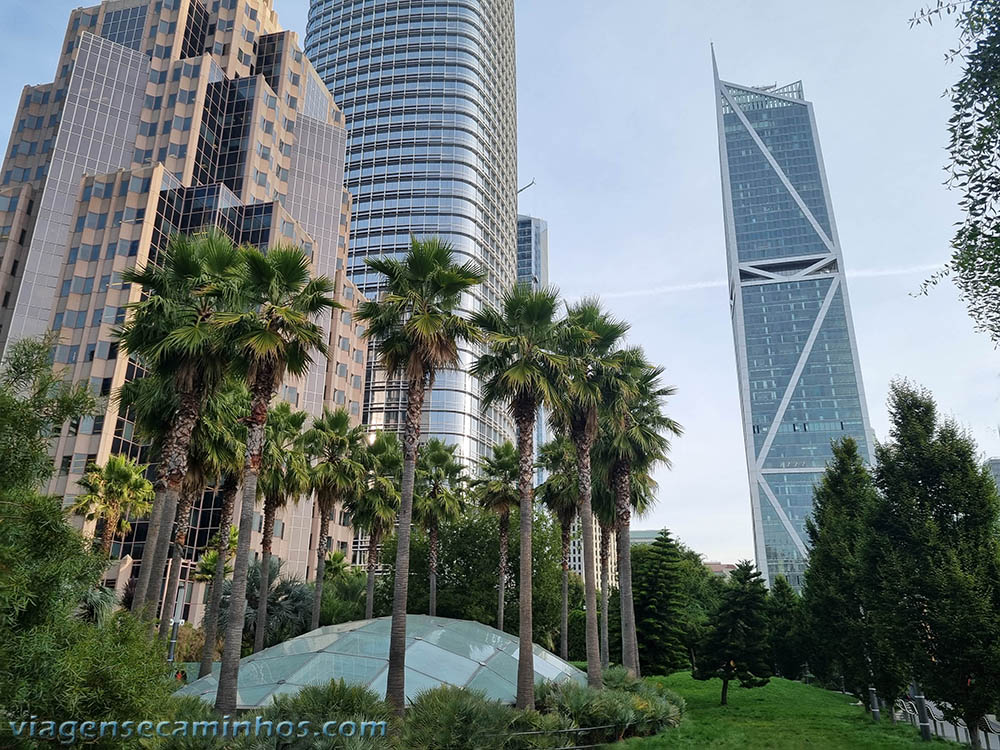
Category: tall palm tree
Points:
column 593, row 352
column 561, row 495
column 438, row 498
column 417, row 331
column 275, row 331
column 519, row 369
column 637, row 429
column 217, row 446
column 496, row 491
column 172, row 331
column 337, row 475
column 374, row 511
column 284, row 474
column 114, row 493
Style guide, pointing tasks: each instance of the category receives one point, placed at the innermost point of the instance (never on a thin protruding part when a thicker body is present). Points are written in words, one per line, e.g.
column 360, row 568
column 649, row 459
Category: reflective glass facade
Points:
column 800, row 383
column 428, row 93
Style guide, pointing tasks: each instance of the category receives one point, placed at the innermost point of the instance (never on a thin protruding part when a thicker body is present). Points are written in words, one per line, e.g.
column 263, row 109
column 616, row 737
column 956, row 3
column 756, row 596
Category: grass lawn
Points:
column 783, row 715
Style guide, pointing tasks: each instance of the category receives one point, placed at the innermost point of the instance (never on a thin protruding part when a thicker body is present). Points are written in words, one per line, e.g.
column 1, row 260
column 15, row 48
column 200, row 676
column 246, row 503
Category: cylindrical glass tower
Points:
column 428, row 91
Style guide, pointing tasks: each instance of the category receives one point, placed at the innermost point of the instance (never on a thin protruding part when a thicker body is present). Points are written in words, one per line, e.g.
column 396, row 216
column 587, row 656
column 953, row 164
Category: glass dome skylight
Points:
column 439, row 651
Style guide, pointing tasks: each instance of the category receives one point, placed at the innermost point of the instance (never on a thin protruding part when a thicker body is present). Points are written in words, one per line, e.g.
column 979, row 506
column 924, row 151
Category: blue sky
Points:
column 617, row 126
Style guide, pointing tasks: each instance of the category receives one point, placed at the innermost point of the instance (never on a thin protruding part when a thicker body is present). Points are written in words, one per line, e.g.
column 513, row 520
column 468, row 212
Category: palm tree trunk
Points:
column 504, row 548
column 395, row 678
column 155, row 555
column 623, row 513
column 210, row 622
column 108, row 534
column 524, row 417
column 180, row 540
column 260, row 627
column 583, row 439
column 262, row 391
column 170, row 476
column 324, row 533
column 432, row 564
column 605, row 581
column 372, row 563
column 567, row 526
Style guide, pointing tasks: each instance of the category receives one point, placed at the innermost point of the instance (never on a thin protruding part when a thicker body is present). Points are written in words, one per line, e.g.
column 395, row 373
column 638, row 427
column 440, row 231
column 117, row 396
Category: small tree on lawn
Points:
column 736, row 648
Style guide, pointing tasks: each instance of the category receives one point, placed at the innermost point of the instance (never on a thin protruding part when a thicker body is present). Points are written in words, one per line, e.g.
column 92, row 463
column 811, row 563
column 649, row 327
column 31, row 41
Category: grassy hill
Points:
column 783, row 715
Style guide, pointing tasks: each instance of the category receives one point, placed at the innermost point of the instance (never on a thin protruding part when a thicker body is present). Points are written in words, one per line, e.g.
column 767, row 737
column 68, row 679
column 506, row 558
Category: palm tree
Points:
column 114, row 493
column 223, row 547
column 418, row 332
column 289, row 603
column 520, row 369
column 604, row 513
column 284, row 474
column 438, row 499
column 216, row 446
column 337, row 475
column 593, row 354
column 374, row 511
column 637, row 430
column 496, row 490
column 172, row 332
column 274, row 332
column 561, row 495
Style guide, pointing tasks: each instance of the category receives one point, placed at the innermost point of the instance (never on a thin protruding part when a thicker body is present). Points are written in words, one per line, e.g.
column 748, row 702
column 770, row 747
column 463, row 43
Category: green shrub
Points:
column 608, row 712
column 551, row 728
column 451, row 718
column 317, row 704
column 618, row 678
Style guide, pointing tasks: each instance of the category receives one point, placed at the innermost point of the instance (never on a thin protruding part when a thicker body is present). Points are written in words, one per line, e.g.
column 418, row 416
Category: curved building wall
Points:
column 428, row 92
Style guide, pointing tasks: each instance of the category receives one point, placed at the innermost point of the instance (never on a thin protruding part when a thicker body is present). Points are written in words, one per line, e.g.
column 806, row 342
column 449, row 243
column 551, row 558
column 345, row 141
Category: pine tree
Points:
column 832, row 599
column 935, row 547
column 659, row 605
column 737, row 643
column 785, row 629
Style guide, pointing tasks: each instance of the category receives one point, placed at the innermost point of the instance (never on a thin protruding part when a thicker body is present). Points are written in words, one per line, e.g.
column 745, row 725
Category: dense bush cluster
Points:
column 450, row 718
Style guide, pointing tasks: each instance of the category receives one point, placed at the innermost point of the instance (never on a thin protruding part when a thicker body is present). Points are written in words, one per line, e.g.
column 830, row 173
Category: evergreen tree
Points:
column 737, row 644
column 659, row 604
column 785, row 629
column 839, row 647
column 934, row 544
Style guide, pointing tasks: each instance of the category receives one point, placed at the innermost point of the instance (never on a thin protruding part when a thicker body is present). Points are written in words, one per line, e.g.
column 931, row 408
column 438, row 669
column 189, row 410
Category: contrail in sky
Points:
column 693, row 286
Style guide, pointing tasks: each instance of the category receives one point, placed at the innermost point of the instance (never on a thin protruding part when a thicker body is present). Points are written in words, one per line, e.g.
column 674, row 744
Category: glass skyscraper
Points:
column 533, row 269
column 428, row 93
column 796, row 356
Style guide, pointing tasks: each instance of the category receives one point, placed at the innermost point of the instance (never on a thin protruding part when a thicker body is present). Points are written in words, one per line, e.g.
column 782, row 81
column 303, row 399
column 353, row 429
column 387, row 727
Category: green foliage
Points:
column 335, row 701
column 659, row 604
column 467, row 574
column 736, row 647
column 289, row 603
column 932, row 541
column 343, row 597
column 632, row 708
column 700, row 594
column 451, row 718
column 974, row 141
column 35, row 401
column 53, row 664
column 838, row 633
column 416, row 321
column 785, row 629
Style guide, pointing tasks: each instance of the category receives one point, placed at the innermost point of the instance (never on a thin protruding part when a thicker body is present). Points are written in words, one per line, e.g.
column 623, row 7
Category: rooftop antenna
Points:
column 521, row 190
